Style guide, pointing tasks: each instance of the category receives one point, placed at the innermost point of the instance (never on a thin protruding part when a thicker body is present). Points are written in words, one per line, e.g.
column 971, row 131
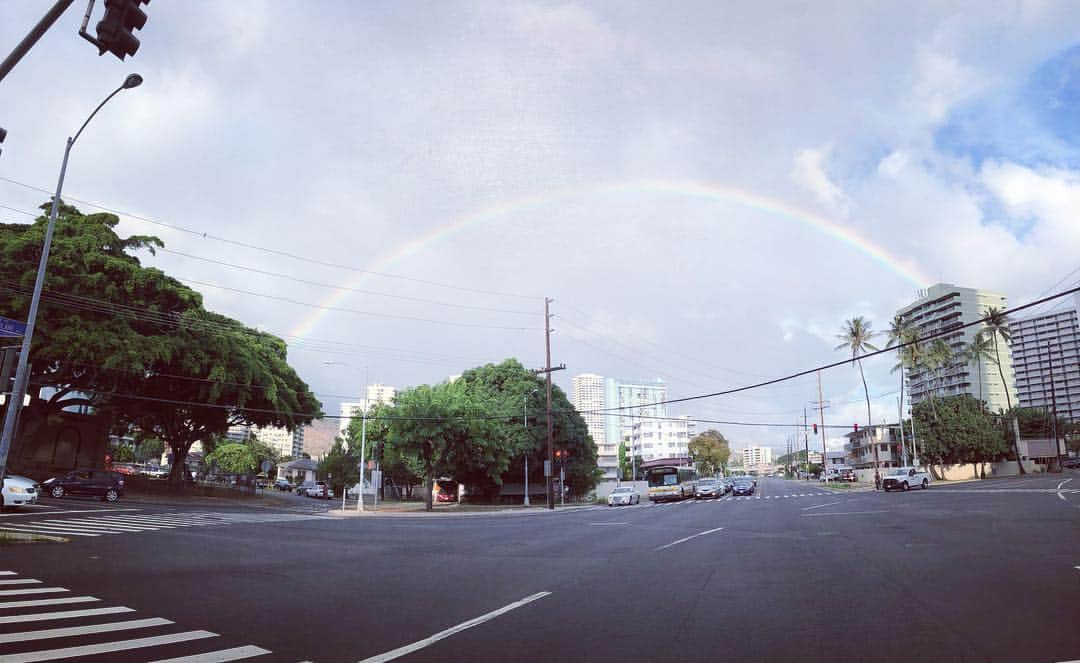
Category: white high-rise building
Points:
column 757, row 457
column 1044, row 346
column 375, row 394
column 944, row 307
column 285, row 442
column 652, row 439
column 587, row 394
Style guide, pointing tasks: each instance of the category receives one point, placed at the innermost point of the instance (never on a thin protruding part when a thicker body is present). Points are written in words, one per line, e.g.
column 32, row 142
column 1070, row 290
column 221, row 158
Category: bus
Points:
column 671, row 483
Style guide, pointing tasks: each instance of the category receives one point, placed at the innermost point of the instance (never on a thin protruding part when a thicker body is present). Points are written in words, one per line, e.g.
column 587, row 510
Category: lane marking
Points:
column 685, row 539
column 442, row 635
column 63, row 614
column 818, row 506
column 1063, row 483
column 34, row 603
column 8, row 573
column 50, row 513
column 841, row 513
column 600, row 524
column 37, row 529
column 69, row 631
column 21, row 581
column 35, row 590
column 106, row 647
column 234, row 654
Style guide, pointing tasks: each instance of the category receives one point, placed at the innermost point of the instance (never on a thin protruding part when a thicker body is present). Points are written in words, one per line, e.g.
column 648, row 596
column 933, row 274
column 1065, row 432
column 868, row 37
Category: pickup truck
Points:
column 905, row 478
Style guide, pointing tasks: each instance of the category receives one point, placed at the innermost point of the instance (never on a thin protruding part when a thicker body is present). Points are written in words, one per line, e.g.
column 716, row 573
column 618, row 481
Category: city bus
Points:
column 671, row 483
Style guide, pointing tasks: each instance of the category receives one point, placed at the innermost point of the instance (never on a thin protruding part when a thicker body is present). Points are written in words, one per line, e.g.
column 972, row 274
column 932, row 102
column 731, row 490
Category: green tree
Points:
column 135, row 345
column 233, row 458
column 997, row 324
column 979, row 349
column 961, row 431
column 710, row 450
column 340, row 467
column 902, row 332
column 624, row 462
column 123, row 453
column 856, row 338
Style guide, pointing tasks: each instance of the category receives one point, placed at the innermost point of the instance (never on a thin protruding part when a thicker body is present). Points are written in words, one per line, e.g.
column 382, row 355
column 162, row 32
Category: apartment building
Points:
column 587, row 397
column 1046, row 357
column 653, row 439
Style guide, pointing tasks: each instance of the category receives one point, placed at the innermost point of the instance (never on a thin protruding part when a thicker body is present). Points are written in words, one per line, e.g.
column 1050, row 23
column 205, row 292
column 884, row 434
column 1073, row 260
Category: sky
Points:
column 707, row 191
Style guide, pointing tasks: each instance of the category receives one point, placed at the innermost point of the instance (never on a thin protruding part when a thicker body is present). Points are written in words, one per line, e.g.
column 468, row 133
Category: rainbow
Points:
column 906, row 269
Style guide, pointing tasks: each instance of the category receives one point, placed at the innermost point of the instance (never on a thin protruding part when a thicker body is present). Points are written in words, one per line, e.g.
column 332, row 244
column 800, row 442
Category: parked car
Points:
column 282, row 484
column 623, row 495
column 1071, row 463
column 17, row 491
column 743, row 487
column 318, row 489
column 709, row 488
column 905, row 478
column 109, row 486
column 729, row 484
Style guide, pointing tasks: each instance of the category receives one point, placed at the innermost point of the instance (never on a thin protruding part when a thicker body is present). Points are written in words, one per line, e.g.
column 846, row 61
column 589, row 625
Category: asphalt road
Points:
column 986, row 571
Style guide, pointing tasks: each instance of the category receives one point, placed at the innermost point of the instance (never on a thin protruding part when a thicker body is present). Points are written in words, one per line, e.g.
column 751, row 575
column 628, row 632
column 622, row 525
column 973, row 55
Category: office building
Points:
column 757, row 458
column 587, row 397
column 653, row 439
column 1043, row 346
column 944, row 308
column 375, row 394
column 609, row 429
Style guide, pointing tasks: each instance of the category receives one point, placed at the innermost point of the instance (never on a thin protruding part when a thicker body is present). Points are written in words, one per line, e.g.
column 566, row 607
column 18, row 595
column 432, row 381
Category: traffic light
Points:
column 815, row 429
column 114, row 30
column 856, row 428
column 3, row 135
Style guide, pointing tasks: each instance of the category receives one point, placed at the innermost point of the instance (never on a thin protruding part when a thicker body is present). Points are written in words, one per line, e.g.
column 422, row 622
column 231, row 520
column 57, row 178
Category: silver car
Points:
column 17, row 491
column 709, row 488
column 623, row 495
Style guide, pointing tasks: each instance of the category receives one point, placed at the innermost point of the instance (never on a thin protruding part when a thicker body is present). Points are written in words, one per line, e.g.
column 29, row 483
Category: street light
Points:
column 525, row 418
column 18, row 392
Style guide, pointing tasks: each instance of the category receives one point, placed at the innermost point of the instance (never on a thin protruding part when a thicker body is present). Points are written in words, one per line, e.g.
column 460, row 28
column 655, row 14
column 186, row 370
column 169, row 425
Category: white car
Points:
column 319, row 490
column 905, row 478
column 623, row 495
column 18, row 491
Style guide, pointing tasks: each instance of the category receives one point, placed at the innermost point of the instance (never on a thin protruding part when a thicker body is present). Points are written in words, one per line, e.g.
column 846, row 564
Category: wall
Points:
column 604, row 488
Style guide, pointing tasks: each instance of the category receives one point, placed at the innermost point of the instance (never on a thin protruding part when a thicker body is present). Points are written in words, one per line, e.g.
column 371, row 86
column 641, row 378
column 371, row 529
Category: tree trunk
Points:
column 429, row 485
column 903, row 444
column 1008, row 401
column 178, row 469
column 869, row 429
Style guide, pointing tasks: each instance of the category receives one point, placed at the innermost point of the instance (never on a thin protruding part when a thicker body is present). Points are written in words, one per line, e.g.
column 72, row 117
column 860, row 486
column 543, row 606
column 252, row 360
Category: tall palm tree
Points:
column 856, row 337
column 977, row 350
column 901, row 332
column 997, row 324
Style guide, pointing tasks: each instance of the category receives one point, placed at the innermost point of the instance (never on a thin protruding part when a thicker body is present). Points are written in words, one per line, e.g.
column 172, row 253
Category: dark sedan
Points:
column 743, row 487
column 109, row 486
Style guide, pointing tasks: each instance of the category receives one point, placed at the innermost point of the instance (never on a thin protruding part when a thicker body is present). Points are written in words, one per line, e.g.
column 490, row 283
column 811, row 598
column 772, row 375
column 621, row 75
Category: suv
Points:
column 109, row 486
column 318, row 489
column 905, row 478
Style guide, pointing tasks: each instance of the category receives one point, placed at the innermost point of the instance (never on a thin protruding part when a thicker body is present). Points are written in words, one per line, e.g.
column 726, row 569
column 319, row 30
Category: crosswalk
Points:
column 742, row 498
column 135, row 523
column 39, row 622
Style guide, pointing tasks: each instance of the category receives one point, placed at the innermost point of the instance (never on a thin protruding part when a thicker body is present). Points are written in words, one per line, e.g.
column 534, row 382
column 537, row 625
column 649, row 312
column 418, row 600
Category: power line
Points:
column 276, row 252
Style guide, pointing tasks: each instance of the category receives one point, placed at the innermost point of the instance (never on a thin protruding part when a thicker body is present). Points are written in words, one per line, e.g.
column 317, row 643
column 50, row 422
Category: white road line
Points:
column 35, row 590
column 598, row 524
column 8, row 573
column 841, row 513
column 85, row 526
column 106, row 647
column 21, row 581
column 69, row 631
column 1077, row 568
column 38, row 531
column 50, row 513
column 48, row 529
column 34, row 603
column 441, row 635
column 1063, row 483
column 64, row 614
column 685, row 539
column 221, row 656
column 818, row 506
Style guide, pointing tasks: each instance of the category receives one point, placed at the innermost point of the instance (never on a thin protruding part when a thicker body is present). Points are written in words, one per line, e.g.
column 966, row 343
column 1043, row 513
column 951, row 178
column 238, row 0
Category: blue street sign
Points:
column 11, row 328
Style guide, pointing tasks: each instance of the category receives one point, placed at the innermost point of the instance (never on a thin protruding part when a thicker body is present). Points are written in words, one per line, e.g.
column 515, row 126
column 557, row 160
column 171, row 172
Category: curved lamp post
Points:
column 18, row 392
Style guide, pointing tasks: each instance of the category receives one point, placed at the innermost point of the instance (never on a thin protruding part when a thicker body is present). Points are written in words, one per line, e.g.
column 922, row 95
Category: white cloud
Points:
column 810, row 172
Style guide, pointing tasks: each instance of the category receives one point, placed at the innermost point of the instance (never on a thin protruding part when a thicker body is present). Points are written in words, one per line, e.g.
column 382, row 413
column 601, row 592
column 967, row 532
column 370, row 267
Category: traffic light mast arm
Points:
column 33, row 36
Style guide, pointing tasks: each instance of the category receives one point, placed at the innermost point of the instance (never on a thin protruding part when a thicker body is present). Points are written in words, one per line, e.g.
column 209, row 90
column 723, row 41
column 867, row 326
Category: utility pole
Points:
column 821, row 411
column 549, row 465
column 1053, row 406
column 806, row 443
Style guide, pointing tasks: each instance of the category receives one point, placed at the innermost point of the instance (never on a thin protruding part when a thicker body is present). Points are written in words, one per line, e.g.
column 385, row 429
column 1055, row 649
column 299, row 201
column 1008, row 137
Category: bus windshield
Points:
column 667, row 478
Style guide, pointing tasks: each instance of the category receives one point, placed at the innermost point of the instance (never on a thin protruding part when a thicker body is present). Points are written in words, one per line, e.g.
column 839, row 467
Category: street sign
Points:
column 11, row 328
column 266, row 465
column 547, row 468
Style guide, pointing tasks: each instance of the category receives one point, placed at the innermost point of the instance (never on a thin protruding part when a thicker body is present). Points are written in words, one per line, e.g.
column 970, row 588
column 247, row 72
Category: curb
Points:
column 504, row 513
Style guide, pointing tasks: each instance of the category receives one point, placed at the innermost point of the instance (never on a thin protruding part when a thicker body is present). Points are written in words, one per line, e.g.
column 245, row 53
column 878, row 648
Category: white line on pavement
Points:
column 841, row 513
column 49, row 513
column 441, row 635
column 63, row 614
column 35, row 590
column 234, row 654
column 42, row 602
column 685, row 539
column 598, row 524
column 21, row 581
column 1063, row 483
column 818, row 506
column 69, row 631
column 8, row 573
column 106, row 647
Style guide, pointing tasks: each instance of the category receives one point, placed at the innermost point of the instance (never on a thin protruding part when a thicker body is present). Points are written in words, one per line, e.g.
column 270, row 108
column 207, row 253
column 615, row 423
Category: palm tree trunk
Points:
column 901, row 415
column 1008, row 401
column 869, row 426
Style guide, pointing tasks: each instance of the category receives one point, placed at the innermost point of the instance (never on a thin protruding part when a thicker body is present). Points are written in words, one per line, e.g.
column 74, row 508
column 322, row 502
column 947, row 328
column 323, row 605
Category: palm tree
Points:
column 911, row 359
column 997, row 324
column 856, row 337
column 977, row 350
column 900, row 332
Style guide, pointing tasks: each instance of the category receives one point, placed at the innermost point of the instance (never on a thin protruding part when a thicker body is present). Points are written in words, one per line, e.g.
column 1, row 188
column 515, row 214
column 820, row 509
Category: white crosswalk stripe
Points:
column 743, row 498
column 21, row 645
column 113, row 523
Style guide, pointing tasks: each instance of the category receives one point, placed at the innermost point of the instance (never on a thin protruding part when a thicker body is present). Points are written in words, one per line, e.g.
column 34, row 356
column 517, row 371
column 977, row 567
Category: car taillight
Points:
column 120, row 482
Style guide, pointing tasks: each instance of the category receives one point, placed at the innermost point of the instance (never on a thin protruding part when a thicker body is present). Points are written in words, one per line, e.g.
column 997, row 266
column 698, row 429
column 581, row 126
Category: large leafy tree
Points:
column 855, row 338
column 997, row 324
column 136, row 345
column 340, row 467
column 961, row 430
column 710, row 450
column 233, row 458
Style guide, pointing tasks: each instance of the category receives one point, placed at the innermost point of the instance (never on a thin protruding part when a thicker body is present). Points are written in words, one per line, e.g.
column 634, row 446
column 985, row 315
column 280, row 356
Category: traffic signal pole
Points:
column 33, row 36
column 549, row 466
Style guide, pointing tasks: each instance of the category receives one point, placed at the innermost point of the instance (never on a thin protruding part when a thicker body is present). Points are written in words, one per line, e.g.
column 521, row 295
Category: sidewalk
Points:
column 416, row 509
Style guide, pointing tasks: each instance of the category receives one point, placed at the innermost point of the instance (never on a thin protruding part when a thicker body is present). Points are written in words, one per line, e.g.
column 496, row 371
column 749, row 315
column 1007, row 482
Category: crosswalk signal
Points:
column 114, row 30
column 856, row 428
column 815, row 429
